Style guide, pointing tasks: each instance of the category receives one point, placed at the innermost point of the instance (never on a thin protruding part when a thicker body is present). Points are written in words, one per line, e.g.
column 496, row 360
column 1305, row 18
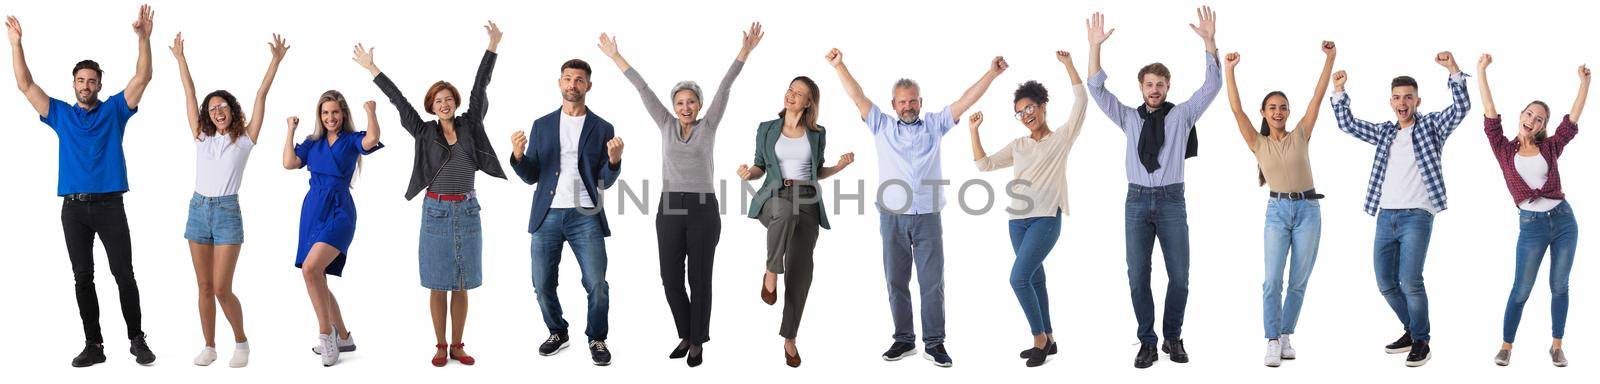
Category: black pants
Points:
column 688, row 226
column 80, row 222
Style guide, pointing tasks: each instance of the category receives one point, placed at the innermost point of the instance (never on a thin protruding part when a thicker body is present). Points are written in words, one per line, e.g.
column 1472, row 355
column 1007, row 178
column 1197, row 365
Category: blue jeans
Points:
column 914, row 240
column 1398, row 252
column 1032, row 238
column 1292, row 225
column 1556, row 230
column 588, row 246
column 1157, row 213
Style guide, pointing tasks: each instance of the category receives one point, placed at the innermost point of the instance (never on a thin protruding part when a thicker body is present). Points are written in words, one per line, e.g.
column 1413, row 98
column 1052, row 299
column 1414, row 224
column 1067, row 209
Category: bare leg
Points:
column 311, row 270
column 225, row 259
column 458, row 319
column 201, row 254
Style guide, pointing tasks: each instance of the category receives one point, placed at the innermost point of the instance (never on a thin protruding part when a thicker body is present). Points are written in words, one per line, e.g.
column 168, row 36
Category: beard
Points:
column 572, row 96
column 89, row 99
column 909, row 116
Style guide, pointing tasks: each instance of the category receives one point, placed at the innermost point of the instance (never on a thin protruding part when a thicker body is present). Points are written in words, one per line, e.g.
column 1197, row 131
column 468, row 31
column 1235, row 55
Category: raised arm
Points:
column 370, row 142
column 1080, row 100
column 19, row 66
column 1450, row 118
column 526, row 166
column 1097, row 36
column 719, row 102
column 279, row 47
column 851, row 87
column 659, row 113
column 1314, row 106
column 291, row 160
column 1489, row 110
column 1583, row 94
column 1246, row 128
column 1207, row 29
column 193, row 105
column 478, row 100
column 1361, row 129
column 976, row 91
column 844, row 161
column 141, row 73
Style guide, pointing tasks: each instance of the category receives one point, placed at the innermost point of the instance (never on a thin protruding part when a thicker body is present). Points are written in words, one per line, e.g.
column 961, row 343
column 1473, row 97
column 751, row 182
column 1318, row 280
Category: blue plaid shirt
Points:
column 1428, row 135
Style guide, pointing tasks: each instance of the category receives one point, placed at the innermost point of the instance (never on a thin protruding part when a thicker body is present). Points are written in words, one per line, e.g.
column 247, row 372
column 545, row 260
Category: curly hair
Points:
column 1032, row 90
column 235, row 113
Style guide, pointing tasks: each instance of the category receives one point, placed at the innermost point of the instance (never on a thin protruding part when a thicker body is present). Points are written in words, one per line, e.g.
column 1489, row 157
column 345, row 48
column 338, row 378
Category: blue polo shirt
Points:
column 90, row 140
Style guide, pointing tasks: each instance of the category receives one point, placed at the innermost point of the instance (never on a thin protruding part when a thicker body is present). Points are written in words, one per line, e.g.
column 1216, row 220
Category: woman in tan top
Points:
column 1041, row 190
column 1294, row 217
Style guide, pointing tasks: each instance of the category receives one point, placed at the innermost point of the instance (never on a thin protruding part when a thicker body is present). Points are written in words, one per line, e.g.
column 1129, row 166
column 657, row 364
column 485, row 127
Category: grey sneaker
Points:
column 1274, row 355
column 1558, row 357
column 1502, row 358
column 1288, row 349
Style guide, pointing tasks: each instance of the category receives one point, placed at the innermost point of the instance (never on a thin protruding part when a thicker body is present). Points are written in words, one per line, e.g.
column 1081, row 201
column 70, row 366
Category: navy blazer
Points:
column 542, row 161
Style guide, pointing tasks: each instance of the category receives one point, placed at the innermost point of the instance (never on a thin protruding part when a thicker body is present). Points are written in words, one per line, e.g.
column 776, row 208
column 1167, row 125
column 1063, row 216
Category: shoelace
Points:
column 598, row 346
column 553, row 339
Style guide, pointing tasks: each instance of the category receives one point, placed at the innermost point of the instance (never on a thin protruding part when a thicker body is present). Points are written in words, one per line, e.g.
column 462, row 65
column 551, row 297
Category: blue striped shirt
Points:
column 1179, row 121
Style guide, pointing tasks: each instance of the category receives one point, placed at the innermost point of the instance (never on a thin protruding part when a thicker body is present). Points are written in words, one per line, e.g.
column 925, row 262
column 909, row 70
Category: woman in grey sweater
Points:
column 688, row 222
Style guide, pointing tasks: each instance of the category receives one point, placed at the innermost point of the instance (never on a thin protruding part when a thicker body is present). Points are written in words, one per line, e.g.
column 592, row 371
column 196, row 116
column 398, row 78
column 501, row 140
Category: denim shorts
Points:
column 450, row 246
column 214, row 220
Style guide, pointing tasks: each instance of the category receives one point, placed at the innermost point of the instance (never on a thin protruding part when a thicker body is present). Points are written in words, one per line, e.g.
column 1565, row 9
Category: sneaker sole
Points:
column 1274, row 365
column 342, row 349
column 601, row 364
column 936, row 362
column 1419, row 363
column 900, row 356
column 1396, row 351
column 91, row 363
column 560, row 348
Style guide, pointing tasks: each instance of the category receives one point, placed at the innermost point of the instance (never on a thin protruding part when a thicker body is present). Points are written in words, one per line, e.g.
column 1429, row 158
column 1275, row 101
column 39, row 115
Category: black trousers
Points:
column 688, row 226
column 81, row 221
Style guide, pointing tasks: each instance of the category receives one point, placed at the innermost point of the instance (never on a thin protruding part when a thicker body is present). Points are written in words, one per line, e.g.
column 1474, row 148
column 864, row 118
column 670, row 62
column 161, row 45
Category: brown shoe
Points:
column 769, row 297
column 792, row 360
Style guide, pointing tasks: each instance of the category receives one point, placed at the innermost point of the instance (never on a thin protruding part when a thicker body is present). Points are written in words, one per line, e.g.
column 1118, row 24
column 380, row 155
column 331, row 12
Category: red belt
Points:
column 449, row 197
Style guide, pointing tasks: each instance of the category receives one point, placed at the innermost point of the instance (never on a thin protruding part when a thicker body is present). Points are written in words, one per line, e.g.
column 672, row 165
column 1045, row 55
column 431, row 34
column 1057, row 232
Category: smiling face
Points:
column 331, row 114
column 907, row 103
column 219, row 113
column 686, row 105
column 86, row 85
column 1031, row 114
column 1275, row 110
column 1533, row 121
column 797, row 98
column 574, row 85
column 444, row 103
column 1154, row 88
column 1404, row 101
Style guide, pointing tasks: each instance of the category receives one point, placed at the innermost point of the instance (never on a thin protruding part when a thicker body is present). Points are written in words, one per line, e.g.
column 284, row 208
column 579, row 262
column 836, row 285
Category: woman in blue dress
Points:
column 328, row 215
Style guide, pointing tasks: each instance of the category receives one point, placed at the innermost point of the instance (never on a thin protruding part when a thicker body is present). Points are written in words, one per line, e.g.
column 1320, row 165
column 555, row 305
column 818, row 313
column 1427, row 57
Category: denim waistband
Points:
column 1176, row 188
column 215, row 199
column 1562, row 209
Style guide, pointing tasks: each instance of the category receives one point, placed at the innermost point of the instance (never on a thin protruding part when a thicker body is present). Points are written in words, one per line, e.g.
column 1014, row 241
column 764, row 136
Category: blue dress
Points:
column 328, row 214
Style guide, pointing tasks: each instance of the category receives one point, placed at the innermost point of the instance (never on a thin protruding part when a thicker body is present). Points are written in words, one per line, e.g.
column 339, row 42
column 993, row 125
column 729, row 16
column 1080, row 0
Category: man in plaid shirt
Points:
column 1405, row 190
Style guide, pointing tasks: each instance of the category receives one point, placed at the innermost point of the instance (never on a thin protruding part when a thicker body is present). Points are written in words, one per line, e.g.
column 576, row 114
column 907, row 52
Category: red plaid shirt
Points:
column 1505, row 152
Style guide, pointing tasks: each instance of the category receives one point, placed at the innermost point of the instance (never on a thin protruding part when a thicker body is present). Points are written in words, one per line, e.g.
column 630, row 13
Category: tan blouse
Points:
column 1287, row 163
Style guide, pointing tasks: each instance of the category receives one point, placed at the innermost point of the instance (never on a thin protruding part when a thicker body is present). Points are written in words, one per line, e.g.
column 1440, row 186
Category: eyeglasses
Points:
column 1028, row 110
column 217, row 107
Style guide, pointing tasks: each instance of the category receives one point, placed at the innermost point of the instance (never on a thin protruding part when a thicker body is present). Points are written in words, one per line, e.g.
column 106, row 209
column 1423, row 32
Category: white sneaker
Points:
column 330, row 350
column 345, row 345
column 241, row 356
column 1274, row 355
column 1288, row 350
column 206, row 357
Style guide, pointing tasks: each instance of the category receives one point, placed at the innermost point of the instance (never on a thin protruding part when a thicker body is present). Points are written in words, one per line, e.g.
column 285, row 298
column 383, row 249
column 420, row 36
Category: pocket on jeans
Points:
column 435, row 212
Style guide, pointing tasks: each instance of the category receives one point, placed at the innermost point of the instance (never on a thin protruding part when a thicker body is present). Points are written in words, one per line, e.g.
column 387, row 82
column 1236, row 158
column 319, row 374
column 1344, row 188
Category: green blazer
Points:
column 767, row 158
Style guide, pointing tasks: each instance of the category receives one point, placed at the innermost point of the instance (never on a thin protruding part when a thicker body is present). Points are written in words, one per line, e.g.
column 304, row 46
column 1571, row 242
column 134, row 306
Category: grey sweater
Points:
column 687, row 162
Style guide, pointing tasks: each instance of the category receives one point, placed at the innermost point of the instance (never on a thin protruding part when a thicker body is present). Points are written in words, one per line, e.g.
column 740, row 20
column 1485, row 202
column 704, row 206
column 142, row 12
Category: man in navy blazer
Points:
column 570, row 154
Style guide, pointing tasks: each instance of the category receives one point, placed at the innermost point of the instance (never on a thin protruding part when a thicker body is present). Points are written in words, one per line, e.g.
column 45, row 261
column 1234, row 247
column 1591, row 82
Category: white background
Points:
column 945, row 46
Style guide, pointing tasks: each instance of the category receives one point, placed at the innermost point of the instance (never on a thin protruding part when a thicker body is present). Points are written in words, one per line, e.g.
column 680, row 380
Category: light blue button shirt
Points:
column 908, row 161
column 1179, row 121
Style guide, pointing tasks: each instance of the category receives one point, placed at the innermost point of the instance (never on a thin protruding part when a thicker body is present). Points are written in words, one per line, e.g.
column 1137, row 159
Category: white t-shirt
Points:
column 1403, row 186
column 219, row 164
column 794, row 156
column 569, row 184
column 1534, row 171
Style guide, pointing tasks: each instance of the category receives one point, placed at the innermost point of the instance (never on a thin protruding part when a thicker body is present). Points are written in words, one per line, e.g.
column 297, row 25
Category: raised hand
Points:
column 13, row 29
column 1484, row 61
column 1328, row 48
column 974, row 121
column 1208, row 23
column 278, row 46
column 1338, row 81
column 294, row 123
column 1097, row 29
column 608, row 45
column 370, row 106
column 519, row 143
column 999, row 65
column 1583, row 74
column 845, row 160
column 614, row 150
column 835, row 58
column 145, row 23
column 744, row 172
column 494, row 35
column 1231, row 60
column 363, row 55
column 1064, row 57
column 177, row 46
column 751, row 39
column 1447, row 60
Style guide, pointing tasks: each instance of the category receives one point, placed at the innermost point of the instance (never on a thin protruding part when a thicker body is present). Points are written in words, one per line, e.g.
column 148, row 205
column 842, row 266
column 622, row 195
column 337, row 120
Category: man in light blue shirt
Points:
column 1160, row 136
column 910, row 198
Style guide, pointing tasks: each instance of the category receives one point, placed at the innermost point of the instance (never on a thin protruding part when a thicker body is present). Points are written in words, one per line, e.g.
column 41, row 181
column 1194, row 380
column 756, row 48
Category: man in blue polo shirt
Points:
column 91, row 179
column 910, row 199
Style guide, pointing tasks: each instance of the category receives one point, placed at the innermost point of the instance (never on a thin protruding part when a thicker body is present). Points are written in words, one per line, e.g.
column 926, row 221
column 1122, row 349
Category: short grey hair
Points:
column 908, row 84
column 685, row 86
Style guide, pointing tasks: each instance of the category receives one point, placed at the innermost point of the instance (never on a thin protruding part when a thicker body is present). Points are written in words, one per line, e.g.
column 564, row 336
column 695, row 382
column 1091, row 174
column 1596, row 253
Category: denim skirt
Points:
column 450, row 247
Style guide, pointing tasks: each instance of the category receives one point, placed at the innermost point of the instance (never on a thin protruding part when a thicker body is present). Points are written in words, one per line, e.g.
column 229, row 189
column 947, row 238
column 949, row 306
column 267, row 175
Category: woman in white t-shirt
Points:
column 215, row 229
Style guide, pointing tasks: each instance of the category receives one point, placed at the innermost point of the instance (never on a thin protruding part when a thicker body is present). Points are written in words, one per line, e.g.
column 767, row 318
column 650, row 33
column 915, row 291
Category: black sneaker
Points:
column 1049, row 349
column 554, row 344
column 899, row 350
column 1147, row 356
column 1035, row 356
column 1401, row 345
column 141, row 351
column 1174, row 351
column 598, row 352
column 937, row 355
column 92, row 354
column 1419, row 354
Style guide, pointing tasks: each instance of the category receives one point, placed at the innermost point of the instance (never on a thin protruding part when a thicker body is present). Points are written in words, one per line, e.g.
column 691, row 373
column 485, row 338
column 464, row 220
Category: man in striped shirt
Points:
column 1405, row 191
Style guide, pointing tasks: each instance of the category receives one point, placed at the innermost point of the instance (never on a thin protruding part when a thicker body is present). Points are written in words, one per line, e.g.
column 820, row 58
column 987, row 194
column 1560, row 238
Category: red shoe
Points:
column 440, row 361
column 464, row 359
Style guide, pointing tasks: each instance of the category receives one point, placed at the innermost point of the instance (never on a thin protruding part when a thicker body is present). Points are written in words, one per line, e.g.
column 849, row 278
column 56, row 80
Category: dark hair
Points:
column 578, row 65
column 88, row 64
column 1538, row 138
column 1267, row 131
column 235, row 121
column 1402, row 81
column 808, row 117
column 1031, row 90
column 1155, row 69
column 427, row 100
